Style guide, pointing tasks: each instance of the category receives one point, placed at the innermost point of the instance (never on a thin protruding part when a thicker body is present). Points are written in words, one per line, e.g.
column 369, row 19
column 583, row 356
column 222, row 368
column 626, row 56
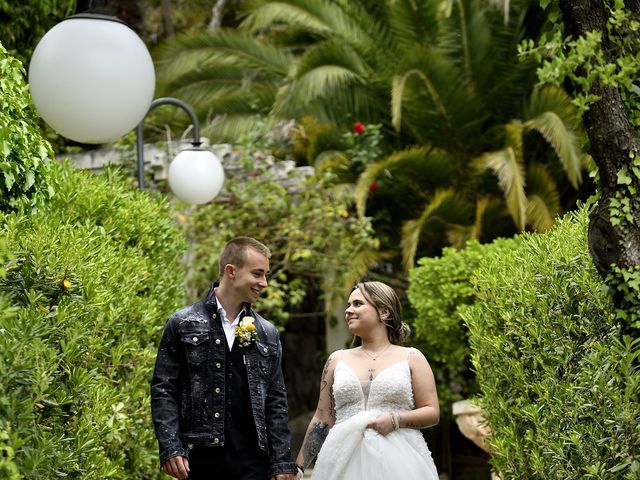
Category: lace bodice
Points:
column 389, row 391
column 352, row 450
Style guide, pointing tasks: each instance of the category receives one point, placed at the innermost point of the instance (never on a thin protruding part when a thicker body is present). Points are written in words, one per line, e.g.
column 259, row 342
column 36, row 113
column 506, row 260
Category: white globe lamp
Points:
column 91, row 78
column 196, row 175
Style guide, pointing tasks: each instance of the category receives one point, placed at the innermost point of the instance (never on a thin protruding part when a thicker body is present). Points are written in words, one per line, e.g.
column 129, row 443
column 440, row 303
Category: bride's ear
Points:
column 384, row 314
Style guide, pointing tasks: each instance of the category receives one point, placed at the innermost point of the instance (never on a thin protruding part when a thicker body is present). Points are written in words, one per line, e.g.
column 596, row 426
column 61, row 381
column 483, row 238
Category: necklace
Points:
column 374, row 358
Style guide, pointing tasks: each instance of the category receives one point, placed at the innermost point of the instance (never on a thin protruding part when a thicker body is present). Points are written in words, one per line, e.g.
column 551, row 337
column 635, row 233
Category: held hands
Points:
column 177, row 467
column 286, row 476
column 385, row 424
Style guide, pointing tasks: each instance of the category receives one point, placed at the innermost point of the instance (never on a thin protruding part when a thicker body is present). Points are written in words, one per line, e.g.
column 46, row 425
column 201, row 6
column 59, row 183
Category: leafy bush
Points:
column 95, row 275
column 560, row 386
column 317, row 241
column 24, row 23
column 439, row 291
column 25, row 156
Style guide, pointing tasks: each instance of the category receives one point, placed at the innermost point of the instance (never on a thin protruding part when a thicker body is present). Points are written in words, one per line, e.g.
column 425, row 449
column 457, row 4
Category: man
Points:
column 218, row 398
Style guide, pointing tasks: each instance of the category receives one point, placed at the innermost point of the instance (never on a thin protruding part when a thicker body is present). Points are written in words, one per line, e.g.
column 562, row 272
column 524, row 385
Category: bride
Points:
column 374, row 399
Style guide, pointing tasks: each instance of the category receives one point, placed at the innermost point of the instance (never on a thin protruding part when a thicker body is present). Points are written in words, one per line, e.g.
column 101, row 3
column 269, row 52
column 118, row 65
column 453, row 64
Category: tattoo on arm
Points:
column 314, row 442
column 323, row 378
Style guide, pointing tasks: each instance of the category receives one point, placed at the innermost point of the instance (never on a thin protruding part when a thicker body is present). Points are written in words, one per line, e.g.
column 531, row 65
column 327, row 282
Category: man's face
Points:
column 251, row 278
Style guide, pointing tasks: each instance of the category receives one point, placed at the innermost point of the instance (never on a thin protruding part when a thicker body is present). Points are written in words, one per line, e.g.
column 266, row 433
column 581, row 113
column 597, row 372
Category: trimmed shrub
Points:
column 25, row 157
column 95, row 275
column 560, row 387
column 439, row 290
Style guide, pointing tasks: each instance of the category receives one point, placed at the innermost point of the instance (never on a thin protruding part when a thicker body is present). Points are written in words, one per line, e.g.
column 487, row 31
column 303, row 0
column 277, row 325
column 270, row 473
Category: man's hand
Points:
column 177, row 467
column 285, row 476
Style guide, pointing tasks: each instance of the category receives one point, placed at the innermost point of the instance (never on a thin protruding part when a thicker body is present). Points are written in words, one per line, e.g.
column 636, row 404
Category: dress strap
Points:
column 340, row 356
column 408, row 352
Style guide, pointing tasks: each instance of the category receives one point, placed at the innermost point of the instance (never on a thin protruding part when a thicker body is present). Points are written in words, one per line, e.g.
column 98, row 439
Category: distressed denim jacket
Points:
column 188, row 386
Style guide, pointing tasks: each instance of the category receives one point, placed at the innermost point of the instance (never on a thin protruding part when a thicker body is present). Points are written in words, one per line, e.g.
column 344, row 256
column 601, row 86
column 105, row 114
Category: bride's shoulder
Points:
column 413, row 354
column 333, row 359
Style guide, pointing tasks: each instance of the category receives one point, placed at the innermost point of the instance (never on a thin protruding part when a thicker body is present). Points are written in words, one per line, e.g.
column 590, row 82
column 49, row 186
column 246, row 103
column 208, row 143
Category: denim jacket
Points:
column 188, row 386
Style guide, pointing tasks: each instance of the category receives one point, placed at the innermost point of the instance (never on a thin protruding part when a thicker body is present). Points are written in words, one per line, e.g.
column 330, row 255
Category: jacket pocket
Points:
column 196, row 347
column 267, row 358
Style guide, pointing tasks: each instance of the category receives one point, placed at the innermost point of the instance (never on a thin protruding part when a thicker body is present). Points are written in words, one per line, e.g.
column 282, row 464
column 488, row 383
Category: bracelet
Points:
column 300, row 470
column 395, row 420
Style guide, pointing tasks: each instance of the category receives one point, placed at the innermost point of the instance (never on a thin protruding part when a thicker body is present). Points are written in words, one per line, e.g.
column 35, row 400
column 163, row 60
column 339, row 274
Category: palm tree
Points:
column 456, row 105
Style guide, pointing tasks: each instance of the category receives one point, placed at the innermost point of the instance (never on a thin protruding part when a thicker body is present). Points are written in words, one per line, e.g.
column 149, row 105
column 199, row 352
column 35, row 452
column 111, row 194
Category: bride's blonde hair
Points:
column 383, row 297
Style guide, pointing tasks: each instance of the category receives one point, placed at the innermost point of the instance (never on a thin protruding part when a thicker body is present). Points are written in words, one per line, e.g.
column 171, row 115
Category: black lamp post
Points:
column 195, row 174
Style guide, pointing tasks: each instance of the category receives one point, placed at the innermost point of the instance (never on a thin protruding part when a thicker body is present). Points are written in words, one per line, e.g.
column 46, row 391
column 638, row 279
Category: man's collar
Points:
column 212, row 304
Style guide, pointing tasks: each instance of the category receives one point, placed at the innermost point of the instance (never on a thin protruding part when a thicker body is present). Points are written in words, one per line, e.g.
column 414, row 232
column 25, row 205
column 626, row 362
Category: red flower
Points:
column 358, row 128
column 373, row 187
column 255, row 173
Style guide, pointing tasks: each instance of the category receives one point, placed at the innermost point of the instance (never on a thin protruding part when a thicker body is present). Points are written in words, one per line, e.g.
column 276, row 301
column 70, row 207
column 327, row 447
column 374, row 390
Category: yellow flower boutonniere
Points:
column 246, row 331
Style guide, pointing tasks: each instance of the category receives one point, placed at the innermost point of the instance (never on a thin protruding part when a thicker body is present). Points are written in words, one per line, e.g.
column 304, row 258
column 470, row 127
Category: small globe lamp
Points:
column 195, row 174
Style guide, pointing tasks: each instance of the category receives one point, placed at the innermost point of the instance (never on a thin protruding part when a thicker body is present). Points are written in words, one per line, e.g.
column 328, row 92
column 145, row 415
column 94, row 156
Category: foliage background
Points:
column 94, row 275
column 560, row 385
column 320, row 246
column 24, row 155
column 440, row 291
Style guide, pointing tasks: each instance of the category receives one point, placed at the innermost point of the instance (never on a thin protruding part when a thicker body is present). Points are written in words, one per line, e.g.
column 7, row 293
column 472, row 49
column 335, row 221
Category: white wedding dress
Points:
column 353, row 452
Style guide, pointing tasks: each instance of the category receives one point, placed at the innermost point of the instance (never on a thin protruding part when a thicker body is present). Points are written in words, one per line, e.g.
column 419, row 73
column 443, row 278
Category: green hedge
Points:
column 439, row 291
column 25, row 156
column 95, row 275
column 560, row 387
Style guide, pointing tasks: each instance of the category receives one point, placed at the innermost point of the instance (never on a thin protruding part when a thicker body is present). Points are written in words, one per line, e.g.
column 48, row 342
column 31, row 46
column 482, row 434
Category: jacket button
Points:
column 195, row 339
column 217, row 390
column 265, row 349
column 213, row 316
column 217, row 341
column 215, row 440
column 218, row 365
column 216, row 414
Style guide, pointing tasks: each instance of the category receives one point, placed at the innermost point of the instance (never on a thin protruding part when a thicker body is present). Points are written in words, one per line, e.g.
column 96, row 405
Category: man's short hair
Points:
column 234, row 252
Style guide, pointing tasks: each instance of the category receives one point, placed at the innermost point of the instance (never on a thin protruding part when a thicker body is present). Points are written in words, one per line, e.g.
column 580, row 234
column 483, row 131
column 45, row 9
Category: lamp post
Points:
column 195, row 174
column 92, row 80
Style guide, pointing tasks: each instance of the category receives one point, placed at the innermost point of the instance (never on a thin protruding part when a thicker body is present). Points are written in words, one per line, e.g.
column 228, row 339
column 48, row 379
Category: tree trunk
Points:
column 613, row 145
column 167, row 20
column 216, row 15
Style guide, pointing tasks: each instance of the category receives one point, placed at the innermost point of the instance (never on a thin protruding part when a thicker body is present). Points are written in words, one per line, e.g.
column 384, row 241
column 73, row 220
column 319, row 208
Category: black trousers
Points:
column 228, row 463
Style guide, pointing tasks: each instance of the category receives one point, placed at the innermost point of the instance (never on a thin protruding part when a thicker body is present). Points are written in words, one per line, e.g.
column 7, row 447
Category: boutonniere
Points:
column 246, row 332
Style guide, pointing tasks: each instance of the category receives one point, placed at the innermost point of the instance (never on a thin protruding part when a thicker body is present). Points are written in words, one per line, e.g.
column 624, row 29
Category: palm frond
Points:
column 458, row 235
column 321, row 17
column 556, row 124
column 193, row 50
column 413, row 21
column 543, row 204
column 435, row 165
column 228, row 128
column 432, row 101
column 507, row 166
column 398, row 97
column 443, row 206
column 325, row 71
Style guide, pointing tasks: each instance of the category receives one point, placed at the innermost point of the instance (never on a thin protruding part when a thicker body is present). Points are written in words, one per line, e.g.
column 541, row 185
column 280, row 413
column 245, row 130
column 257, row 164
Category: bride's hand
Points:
column 383, row 424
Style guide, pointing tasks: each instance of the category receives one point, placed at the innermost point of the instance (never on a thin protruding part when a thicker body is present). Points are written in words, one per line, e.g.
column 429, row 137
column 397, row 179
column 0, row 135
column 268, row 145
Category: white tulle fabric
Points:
column 353, row 452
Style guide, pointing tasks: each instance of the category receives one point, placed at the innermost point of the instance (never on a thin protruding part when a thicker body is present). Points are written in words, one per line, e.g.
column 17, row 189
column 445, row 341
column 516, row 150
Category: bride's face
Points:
column 360, row 315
